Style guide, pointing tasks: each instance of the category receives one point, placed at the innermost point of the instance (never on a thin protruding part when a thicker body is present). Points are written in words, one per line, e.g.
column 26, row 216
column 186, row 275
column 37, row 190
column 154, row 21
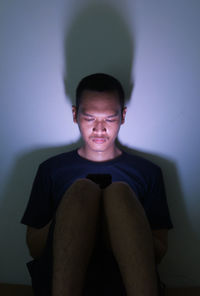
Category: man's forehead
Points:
column 100, row 104
column 107, row 112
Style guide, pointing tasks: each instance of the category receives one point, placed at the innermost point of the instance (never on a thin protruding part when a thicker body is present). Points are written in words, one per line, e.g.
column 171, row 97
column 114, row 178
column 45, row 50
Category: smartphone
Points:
column 103, row 180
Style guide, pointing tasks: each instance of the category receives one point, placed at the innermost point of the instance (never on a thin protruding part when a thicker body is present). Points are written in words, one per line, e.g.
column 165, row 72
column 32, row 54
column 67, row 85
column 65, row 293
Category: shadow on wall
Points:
column 97, row 41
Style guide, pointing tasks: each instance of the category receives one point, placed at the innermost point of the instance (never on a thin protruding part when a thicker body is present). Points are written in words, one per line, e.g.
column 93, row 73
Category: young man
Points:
column 97, row 217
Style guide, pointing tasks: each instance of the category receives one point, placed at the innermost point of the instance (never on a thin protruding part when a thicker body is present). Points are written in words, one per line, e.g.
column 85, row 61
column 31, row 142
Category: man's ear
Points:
column 74, row 113
column 123, row 114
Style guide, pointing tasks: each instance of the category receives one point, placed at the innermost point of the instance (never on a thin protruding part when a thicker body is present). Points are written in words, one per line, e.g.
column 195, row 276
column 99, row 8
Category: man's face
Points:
column 99, row 118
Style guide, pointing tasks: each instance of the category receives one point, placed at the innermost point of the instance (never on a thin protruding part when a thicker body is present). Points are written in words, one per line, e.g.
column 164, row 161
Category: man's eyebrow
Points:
column 109, row 116
column 86, row 114
column 114, row 115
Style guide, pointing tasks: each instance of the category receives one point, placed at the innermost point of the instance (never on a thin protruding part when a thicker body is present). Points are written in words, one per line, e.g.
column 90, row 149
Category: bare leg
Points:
column 74, row 237
column 131, row 239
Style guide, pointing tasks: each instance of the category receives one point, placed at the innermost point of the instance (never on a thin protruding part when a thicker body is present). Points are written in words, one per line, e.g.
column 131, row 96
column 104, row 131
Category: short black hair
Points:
column 102, row 83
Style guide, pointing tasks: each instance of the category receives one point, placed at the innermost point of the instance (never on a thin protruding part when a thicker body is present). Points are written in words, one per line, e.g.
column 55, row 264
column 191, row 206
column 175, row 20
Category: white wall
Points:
column 156, row 44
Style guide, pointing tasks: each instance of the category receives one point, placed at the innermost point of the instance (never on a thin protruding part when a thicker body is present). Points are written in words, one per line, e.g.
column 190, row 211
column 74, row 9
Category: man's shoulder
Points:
column 59, row 159
column 140, row 162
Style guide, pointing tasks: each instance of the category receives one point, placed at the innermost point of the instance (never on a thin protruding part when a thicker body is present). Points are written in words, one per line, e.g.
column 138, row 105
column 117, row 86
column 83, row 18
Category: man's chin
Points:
column 98, row 148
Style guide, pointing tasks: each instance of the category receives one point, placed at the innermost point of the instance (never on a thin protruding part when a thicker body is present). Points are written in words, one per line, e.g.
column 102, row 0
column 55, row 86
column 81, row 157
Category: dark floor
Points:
column 23, row 290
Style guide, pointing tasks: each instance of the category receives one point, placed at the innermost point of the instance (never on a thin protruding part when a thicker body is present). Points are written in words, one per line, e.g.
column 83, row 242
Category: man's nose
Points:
column 99, row 127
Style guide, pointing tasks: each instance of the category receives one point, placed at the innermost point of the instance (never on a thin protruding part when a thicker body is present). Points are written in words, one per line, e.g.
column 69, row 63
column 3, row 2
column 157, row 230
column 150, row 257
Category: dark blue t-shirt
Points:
column 55, row 175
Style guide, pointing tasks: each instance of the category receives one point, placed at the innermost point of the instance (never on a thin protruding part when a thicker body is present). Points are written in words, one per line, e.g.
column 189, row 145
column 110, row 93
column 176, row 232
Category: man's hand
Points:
column 160, row 238
column 36, row 239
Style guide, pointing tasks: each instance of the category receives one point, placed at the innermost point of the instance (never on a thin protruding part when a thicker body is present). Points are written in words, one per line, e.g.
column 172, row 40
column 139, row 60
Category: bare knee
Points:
column 119, row 186
column 84, row 185
column 82, row 198
column 119, row 190
column 119, row 193
column 82, row 190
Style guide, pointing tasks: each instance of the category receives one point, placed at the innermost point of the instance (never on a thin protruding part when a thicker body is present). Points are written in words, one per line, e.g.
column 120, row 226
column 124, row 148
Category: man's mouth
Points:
column 99, row 140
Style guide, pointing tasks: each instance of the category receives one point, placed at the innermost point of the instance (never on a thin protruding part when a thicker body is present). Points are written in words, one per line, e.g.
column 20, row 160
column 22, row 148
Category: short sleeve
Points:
column 39, row 210
column 155, row 203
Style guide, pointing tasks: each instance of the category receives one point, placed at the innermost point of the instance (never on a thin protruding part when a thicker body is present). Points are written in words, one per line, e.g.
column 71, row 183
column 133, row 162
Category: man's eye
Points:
column 89, row 119
column 110, row 120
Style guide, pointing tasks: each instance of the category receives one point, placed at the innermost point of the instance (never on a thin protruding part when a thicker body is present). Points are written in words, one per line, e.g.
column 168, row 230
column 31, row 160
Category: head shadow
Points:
column 98, row 41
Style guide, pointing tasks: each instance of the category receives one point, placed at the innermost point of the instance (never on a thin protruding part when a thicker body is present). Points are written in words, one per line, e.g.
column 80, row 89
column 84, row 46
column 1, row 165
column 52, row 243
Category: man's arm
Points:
column 160, row 238
column 36, row 239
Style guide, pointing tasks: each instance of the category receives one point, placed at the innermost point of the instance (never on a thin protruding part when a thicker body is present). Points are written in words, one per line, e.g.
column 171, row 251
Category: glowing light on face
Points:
column 99, row 119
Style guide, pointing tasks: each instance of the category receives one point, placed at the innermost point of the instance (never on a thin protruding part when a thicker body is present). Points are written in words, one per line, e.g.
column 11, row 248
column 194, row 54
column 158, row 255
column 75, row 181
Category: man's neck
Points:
column 99, row 155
